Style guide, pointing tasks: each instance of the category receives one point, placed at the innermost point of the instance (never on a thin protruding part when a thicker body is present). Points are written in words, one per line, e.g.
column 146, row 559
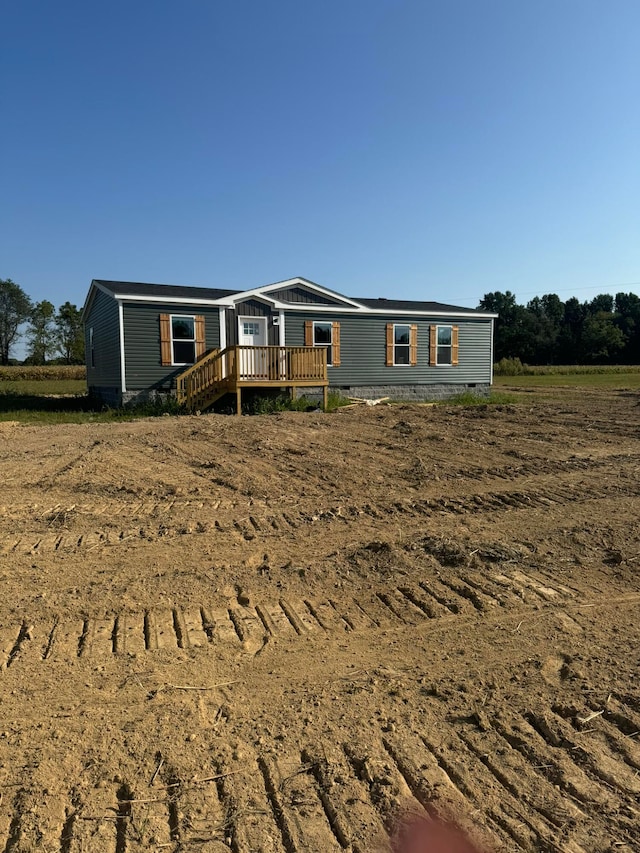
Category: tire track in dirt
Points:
column 520, row 771
column 250, row 627
column 148, row 507
column 251, row 527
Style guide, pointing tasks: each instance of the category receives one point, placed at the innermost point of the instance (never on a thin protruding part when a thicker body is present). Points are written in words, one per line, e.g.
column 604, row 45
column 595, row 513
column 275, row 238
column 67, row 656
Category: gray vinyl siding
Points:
column 302, row 296
column 363, row 350
column 144, row 368
column 102, row 317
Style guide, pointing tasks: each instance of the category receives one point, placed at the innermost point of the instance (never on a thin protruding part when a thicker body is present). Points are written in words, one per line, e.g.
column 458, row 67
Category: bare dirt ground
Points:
column 284, row 633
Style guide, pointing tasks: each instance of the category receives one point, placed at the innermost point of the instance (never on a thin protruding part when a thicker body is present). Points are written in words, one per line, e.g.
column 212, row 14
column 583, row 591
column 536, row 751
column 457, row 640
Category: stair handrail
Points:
column 183, row 379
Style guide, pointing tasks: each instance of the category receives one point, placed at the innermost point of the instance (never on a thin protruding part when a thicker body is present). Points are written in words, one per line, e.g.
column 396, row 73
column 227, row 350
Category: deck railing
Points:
column 235, row 366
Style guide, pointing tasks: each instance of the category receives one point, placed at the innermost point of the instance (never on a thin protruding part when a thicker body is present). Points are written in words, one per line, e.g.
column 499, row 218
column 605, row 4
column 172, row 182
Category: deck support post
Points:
column 238, row 400
column 325, row 397
column 294, row 393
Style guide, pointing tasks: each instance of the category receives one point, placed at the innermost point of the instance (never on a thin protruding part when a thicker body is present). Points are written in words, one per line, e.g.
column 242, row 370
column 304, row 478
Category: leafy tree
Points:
column 70, row 334
column 15, row 309
column 549, row 331
column 546, row 313
column 601, row 302
column 602, row 340
column 41, row 333
column 627, row 307
column 507, row 338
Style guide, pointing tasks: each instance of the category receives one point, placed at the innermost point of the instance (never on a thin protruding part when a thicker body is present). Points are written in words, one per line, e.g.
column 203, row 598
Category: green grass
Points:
column 59, row 401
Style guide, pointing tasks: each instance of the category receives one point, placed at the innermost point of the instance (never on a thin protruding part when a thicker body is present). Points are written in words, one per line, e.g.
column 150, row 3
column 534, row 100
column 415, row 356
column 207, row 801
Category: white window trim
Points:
column 408, row 346
column 329, row 346
column 447, row 363
column 175, row 363
column 92, row 352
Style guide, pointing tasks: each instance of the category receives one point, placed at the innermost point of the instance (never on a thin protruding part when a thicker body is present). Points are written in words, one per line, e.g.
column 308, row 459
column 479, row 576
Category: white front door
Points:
column 252, row 332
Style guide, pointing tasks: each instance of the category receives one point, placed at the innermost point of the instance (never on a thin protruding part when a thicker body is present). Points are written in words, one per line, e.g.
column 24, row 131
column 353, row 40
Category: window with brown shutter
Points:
column 182, row 338
column 444, row 339
column 323, row 333
column 402, row 344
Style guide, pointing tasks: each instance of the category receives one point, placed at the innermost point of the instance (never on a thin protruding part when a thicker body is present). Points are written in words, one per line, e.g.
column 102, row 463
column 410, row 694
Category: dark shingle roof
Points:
column 176, row 291
column 411, row 305
column 179, row 292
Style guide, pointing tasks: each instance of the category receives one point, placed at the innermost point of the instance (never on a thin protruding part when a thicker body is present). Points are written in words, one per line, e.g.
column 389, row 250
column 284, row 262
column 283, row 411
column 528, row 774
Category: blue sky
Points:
column 420, row 150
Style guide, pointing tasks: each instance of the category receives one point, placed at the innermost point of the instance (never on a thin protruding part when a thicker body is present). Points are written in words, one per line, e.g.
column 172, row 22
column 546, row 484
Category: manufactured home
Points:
column 201, row 343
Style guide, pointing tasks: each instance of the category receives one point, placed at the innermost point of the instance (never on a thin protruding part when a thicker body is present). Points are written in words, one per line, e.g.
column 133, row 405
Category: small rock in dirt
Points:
column 482, row 721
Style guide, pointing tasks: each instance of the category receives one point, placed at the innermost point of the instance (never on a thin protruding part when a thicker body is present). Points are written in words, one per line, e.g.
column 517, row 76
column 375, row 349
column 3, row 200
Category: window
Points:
column 183, row 340
column 324, row 334
column 249, row 328
column 402, row 345
column 323, row 337
column 443, row 355
column 91, row 348
column 443, row 345
column 401, row 340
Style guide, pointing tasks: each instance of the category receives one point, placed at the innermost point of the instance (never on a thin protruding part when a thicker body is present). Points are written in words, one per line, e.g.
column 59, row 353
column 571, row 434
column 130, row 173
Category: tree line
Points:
column 53, row 336
column 547, row 330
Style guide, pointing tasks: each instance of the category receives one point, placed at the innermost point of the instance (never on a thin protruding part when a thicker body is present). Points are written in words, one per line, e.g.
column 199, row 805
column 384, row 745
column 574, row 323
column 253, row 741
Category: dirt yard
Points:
column 287, row 633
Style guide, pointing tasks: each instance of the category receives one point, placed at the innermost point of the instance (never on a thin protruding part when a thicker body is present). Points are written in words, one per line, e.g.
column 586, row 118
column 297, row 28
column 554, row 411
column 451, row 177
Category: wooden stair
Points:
column 221, row 372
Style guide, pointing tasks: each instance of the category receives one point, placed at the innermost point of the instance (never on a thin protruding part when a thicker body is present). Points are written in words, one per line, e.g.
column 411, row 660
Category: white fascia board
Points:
column 167, row 300
column 387, row 312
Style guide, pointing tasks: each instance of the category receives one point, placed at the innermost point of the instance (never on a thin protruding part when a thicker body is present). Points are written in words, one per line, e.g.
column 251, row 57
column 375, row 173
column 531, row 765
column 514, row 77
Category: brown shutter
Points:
column 454, row 345
column 335, row 345
column 389, row 358
column 308, row 333
column 200, row 345
column 165, row 339
column 433, row 342
column 413, row 344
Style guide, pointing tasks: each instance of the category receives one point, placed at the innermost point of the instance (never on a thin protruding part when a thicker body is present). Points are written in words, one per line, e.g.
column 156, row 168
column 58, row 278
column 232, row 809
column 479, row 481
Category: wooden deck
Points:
column 226, row 371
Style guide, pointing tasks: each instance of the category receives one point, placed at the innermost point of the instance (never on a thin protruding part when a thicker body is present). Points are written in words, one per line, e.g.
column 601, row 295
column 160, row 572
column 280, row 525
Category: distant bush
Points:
column 48, row 372
column 514, row 367
column 509, row 367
